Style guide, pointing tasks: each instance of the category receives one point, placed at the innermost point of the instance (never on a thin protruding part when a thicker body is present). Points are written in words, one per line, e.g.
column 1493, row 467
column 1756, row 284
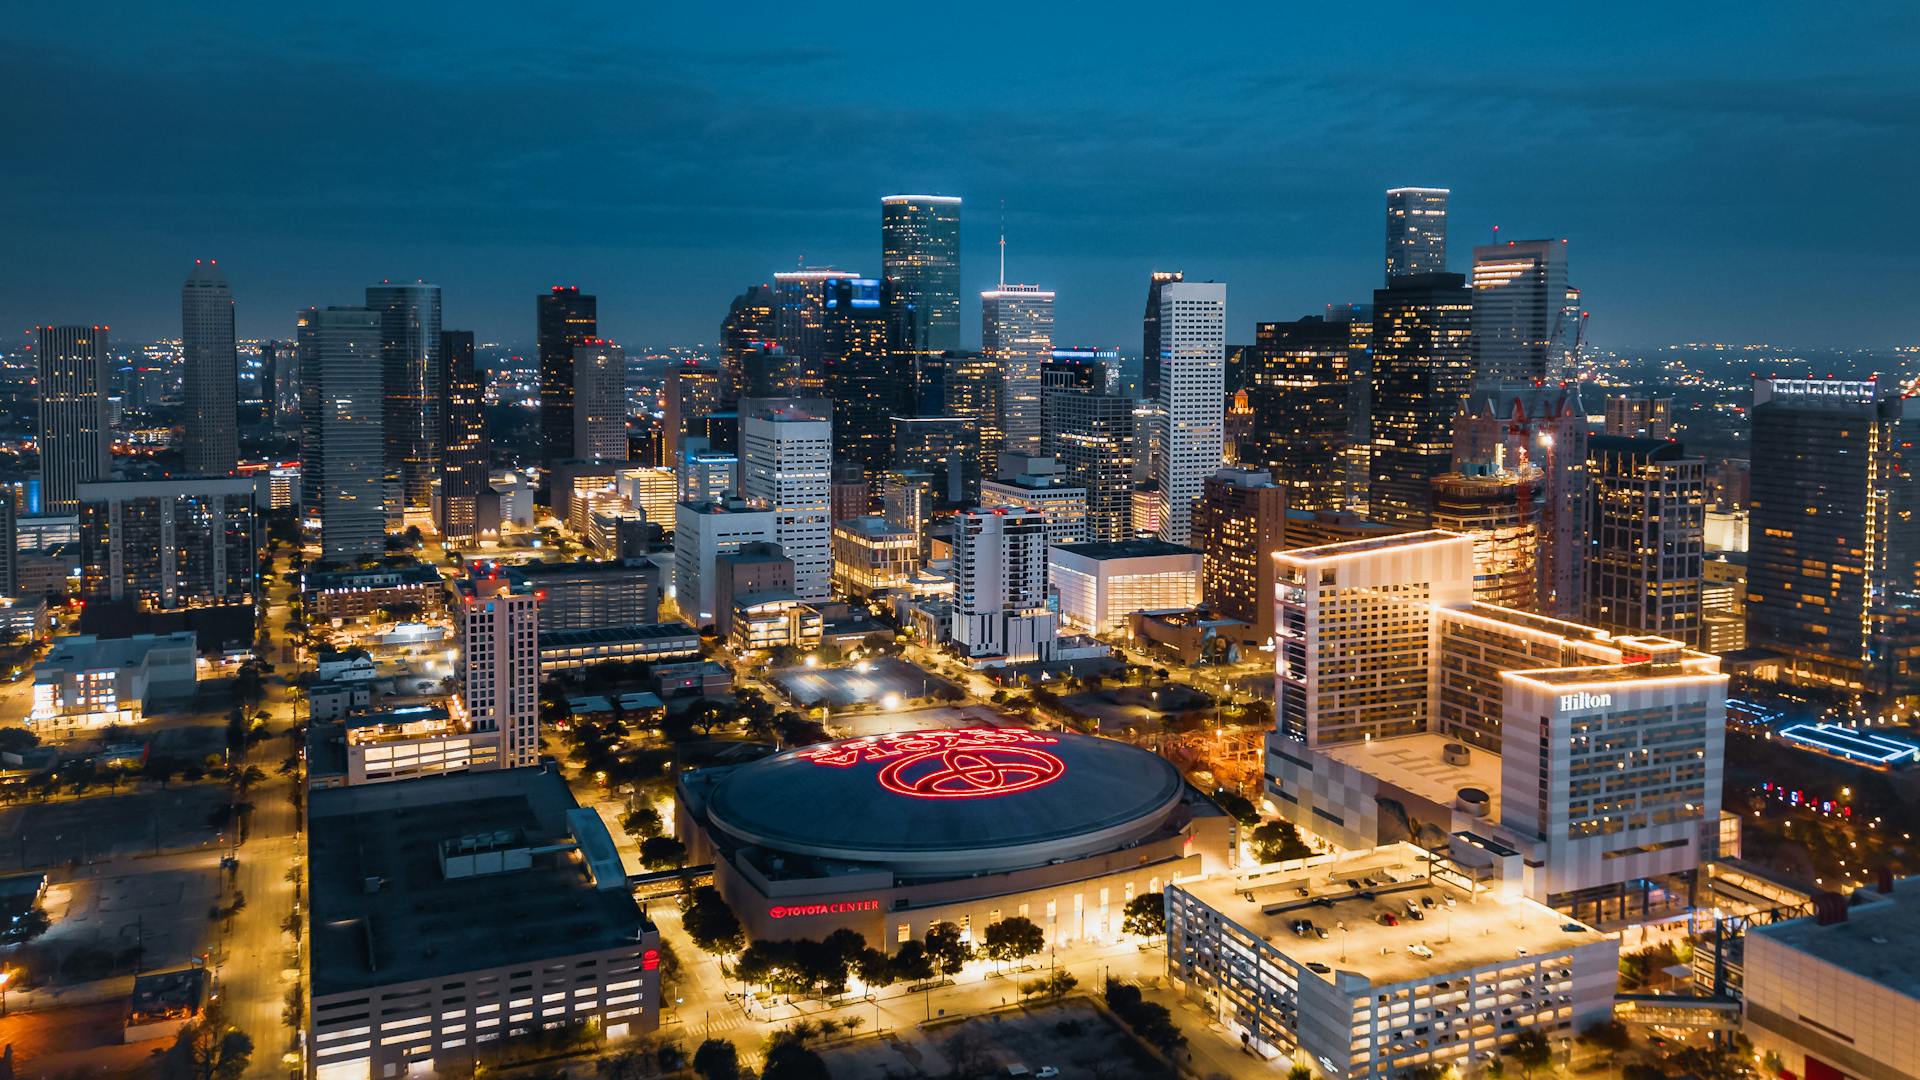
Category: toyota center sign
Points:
column 838, row 907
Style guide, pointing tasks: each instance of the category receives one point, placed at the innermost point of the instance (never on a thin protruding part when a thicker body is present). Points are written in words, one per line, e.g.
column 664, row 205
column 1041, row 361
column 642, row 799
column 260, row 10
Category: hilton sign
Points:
column 1584, row 700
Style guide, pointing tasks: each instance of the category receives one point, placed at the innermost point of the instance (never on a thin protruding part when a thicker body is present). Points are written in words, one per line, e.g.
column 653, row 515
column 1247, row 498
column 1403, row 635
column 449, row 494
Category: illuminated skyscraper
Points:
column 1830, row 574
column 786, row 463
column 691, row 392
column 599, row 401
column 211, row 444
column 1000, row 607
column 1150, row 340
column 1640, row 416
column 975, row 390
column 1647, row 519
column 1192, row 403
column 1516, row 426
column 1520, row 310
column 75, row 443
column 867, row 388
column 1416, row 231
column 920, row 264
column 1422, row 369
column 500, row 665
column 800, row 329
column 341, row 412
column 564, row 317
column 1093, row 435
column 1016, row 329
column 412, row 371
column 745, row 331
column 1239, row 525
column 1297, row 387
column 464, row 447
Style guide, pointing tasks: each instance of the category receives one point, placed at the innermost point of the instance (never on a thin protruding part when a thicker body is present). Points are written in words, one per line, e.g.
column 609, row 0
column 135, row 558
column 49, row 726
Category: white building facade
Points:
column 786, row 462
column 1192, row 403
column 500, row 661
column 1001, row 608
column 704, row 531
column 1016, row 329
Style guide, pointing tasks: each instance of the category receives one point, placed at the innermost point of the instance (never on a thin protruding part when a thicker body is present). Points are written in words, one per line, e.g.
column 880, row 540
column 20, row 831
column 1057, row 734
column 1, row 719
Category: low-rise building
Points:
column 648, row 642
column 353, row 595
column 701, row 678
column 763, row 621
column 452, row 915
column 349, row 665
column 1102, row 584
column 703, row 532
column 90, row 682
column 164, row 1002
column 24, row 618
column 754, row 568
column 399, row 744
column 333, row 700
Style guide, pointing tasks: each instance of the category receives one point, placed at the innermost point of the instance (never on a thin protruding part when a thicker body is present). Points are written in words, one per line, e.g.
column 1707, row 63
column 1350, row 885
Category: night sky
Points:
column 1735, row 172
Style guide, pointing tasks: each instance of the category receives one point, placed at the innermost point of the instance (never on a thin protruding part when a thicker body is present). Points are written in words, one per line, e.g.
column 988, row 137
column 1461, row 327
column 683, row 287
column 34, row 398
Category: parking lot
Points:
column 1072, row 1037
column 869, row 682
column 80, row 832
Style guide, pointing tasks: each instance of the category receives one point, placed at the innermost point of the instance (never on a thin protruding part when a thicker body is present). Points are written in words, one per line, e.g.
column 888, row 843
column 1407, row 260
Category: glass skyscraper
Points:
column 1416, row 231
column 411, row 371
column 565, row 318
column 920, row 265
column 1422, row 370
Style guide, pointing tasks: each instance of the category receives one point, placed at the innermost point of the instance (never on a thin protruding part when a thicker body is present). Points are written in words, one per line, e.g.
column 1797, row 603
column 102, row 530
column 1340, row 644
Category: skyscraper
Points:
column 280, row 361
column 786, row 462
column 75, row 443
column 599, row 401
column 162, row 555
column 500, row 666
column 920, row 264
column 1000, row 607
column 975, row 390
column 1192, row 403
column 691, row 392
column 1016, row 329
column 1422, row 369
column 867, row 387
column 1640, row 416
column 464, row 448
column 211, row 444
column 745, row 331
column 412, row 371
column 1150, row 342
column 1416, row 231
column 1647, row 520
column 565, row 317
column 1834, row 535
column 1520, row 310
column 341, row 414
column 1092, row 434
column 800, row 328
column 1239, row 525
column 1297, row 387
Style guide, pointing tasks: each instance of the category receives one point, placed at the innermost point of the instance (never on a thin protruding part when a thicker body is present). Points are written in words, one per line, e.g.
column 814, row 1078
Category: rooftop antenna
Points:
column 1003, row 243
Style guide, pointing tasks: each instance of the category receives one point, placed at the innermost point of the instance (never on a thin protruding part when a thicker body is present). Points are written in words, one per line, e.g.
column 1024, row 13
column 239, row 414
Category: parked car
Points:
column 1421, row 951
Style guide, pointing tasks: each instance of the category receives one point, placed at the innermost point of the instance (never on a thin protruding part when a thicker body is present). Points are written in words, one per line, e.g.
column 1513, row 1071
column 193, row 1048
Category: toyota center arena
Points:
column 886, row 835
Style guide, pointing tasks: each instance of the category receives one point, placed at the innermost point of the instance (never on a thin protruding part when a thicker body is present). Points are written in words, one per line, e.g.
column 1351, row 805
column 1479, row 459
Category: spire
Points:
column 1003, row 243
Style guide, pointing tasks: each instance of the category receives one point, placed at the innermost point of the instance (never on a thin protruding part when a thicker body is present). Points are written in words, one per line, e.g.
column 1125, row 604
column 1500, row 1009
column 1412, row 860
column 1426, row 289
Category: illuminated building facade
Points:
column 1002, row 610
column 464, row 451
column 1501, row 510
column 800, row 300
column 1521, row 425
column 975, row 389
column 691, row 392
column 1101, row 585
column 1191, row 406
column 159, row 549
column 786, row 464
column 1834, row 539
column 867, row 388
column 1298, row 387
column 870, row 555
column 565, row 318
column 1647, row 522
column 341, row 444
column 1151, row 341
column 703, row 531
column 945, row 450
column 920, row 264
column 1416, row 231
column 211, row 372
column 583, row 594
column 75, row 439
column 1016, row 329
column 744, row 333
column 1239, row 525
column 411, row 370
column 89, row 682
column 499, row 638
column 1520, row 315
column 1640, row 416
column 1093, row 435
column 1062, row 501
column 599, row 403
column 1422, row 369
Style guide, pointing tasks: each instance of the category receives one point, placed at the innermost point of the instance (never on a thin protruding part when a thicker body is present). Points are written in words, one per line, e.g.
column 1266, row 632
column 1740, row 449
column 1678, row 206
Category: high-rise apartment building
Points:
column 1000, row 608
column 1297, row 389
column 744, row 332
column 599, row 401
column 1834, row 534
column 412, row 371
column 786, row 462
column 75, row 442
column 500, row 666
column 866, row 387
column 1647, row 521
column 1016, row 329
column 1151, row 343
column 464, row 450
column 341, row 413
column 163, row 555
column 1192, row 403
column 1092, row 434
column 920, row 264
column 564, row 319
column 210, row 443
column 1422, row 369
column 1520, row 326
column 1640, row 416
column 1416, row 231
column 1239, row 525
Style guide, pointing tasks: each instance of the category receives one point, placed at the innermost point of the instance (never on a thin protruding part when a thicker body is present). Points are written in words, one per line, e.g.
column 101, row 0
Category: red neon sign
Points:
column 838, row 907
column 967, row 764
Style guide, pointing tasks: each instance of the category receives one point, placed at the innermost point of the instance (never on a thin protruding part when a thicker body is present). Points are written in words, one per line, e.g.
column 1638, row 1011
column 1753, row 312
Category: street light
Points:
column 5, row 978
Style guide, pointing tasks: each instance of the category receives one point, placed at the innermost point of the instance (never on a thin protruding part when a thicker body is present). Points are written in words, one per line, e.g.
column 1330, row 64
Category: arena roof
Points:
column 931, row 802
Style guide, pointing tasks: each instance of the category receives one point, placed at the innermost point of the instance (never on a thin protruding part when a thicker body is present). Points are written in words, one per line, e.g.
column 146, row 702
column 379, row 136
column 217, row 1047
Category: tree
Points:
column 946, row 949
column 1530, row 1050
column 1238, row 806
column 910, row 963
column 14, row 740
column 711, row 923
column 1014, row 939
column 210, row 1049
column 1278, row 841
column 1053, row 987
column 1607, row 1034
column 1146, row 915
column 642, row 822
column 1426, row 1070
column 662, row 853
column 1300, row 1072
column 792, row 1061
column 716, row 1060
column 875, row 969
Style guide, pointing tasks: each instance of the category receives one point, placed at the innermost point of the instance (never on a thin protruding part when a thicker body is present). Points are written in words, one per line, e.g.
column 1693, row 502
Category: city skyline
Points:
column 1624, row 151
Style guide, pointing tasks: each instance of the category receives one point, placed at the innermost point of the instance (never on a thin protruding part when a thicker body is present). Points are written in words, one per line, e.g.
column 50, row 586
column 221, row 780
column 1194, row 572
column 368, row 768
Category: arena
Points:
column 889, row 834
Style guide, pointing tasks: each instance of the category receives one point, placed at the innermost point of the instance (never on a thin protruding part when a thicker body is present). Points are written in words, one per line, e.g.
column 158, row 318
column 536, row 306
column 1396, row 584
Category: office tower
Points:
column 75, row 443
column 565, row 318
column 1075, row 369
column 1358, row 454
column 1422, row 369
column 1416, row 231
column 872, row 556
column 500, row 666
column 1501, row 510
column 1093, row 435
column 599, row 401
column 1150, row 340
column 1833, row 533
column 745, row 330
column 281, row 361
column 1192, row 402
column 465, row 452
column 800, row 329
column 412, row 369
column 1041, row 485
column 1517, row 425
column 1016, row 329
column 1640, row 416
column 944, row 449
column 341, row 412
column 210, row 444
column 1519, row 310
column 920, row 265
column 691, row 391
column 1298, row 390
column 866, row 387
column 586, row 594
column 703, row 531
column 1000, row 608
column 786, row 462
column 976, row 392
column 1647, row 522
column 1239, row 525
